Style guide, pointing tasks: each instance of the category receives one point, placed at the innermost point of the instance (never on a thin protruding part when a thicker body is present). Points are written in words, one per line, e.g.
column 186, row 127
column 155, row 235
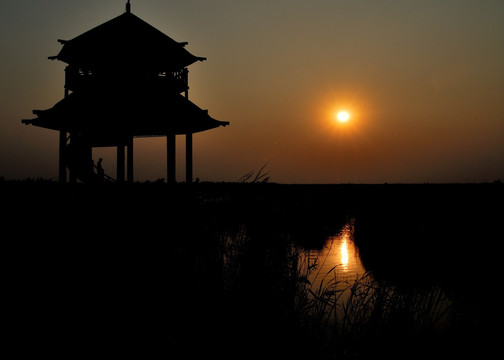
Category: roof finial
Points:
column 128, row 7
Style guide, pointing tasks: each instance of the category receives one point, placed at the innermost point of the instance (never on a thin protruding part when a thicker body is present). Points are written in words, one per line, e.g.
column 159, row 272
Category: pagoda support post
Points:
column 120, row 163
column 170, row 158
column 189, row 157
column 62, row 156
column 87, row 158
column 130, row 160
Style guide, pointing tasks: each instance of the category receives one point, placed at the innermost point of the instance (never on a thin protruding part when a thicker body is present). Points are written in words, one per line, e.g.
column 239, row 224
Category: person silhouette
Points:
column 99, row 168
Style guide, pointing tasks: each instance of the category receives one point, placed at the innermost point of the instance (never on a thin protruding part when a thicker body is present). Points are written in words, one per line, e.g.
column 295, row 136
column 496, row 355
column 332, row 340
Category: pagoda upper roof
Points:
column 124, row 42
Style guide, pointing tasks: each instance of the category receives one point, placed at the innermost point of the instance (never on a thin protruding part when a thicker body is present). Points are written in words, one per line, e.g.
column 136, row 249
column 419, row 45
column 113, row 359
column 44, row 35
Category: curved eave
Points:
column 107, row 57
column 134, row 116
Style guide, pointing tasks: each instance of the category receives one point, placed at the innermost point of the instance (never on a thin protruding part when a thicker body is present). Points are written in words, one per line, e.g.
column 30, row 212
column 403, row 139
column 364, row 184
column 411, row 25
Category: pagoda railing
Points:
column 78, row 79
column 175, row 79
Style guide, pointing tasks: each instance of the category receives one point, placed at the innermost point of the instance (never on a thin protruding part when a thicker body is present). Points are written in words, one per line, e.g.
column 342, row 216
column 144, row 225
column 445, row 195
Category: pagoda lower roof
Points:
column 125, row 113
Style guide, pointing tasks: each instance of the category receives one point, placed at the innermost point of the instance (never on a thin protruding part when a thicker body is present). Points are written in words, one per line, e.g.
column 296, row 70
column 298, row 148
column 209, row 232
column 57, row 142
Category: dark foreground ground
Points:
column 148, row 269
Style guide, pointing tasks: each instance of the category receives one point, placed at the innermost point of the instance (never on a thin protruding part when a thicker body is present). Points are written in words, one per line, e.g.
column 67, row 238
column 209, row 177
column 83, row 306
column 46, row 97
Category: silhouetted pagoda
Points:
column 124, row 79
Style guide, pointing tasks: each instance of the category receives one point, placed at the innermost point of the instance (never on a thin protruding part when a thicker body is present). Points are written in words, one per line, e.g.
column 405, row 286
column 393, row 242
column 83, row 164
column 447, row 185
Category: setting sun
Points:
column 343, row 116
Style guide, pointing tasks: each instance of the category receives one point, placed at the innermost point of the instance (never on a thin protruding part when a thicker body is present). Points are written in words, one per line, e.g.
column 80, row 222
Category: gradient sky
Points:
column 423, row 80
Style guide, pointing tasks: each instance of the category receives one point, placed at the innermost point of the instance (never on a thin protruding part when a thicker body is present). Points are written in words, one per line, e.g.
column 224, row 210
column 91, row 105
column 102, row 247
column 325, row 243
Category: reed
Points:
column 257, row 291
column 260, row 176
column 349, row 314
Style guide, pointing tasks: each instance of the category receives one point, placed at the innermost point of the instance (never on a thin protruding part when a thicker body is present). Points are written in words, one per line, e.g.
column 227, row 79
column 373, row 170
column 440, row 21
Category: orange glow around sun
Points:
column 344, row 114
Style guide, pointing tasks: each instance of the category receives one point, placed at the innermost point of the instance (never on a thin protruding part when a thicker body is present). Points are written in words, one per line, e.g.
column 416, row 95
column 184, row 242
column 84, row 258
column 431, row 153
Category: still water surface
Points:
column 337, row 264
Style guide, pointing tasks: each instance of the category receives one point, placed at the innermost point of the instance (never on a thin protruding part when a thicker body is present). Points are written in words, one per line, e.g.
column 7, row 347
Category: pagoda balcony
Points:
column 78, row 79
column 178, row 80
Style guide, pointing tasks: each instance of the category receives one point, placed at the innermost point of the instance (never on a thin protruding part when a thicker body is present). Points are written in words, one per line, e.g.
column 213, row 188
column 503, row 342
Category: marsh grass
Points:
column 265, row 285
column 351, row 319
column 256, row 177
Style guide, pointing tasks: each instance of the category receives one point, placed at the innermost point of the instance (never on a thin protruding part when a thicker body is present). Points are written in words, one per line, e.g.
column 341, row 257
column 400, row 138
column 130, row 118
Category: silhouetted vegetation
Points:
column 260, row 176
column 214, row 269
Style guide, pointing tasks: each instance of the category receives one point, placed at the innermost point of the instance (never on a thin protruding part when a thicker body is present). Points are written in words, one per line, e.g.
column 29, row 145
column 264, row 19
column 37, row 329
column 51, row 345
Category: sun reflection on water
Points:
column 338, row 262
column 344, row 252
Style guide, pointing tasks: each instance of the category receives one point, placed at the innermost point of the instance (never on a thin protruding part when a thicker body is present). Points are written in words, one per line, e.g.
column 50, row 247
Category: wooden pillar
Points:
column 88, row 160
column 71, row 158
column 120, row 163
column 130, row 161
column 170, row 158
column 186, row 81
column 189, row 158
column 62, row 156
column 63, row 149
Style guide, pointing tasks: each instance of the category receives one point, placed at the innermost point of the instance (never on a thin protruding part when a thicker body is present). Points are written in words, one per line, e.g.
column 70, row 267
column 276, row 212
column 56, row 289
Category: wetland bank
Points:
column 222, row 269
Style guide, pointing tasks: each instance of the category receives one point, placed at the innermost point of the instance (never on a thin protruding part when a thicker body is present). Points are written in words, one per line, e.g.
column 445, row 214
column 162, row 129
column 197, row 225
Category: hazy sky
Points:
column 423, row 81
